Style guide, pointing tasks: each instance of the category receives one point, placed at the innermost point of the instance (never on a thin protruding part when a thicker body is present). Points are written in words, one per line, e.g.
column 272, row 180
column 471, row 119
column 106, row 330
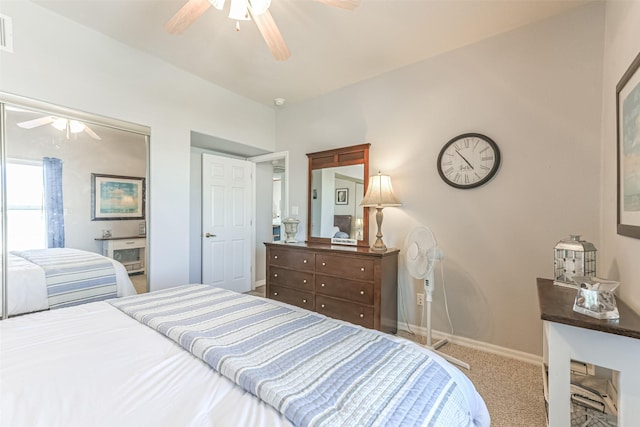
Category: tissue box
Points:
column 596, row 298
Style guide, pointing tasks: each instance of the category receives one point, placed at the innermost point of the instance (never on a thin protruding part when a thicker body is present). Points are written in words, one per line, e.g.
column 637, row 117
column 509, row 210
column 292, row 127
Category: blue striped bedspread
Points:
column 315, row 370
column 73, row 276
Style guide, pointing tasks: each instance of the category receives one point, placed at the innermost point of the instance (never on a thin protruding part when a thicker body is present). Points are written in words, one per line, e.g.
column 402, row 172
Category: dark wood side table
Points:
column 613, row 344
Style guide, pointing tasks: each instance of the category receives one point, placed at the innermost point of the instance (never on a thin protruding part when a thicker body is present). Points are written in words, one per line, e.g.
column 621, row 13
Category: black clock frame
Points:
column 484, row 180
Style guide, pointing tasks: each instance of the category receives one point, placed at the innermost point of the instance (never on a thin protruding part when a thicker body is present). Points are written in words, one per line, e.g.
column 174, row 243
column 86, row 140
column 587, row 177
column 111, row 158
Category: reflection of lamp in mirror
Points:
column 379, row 195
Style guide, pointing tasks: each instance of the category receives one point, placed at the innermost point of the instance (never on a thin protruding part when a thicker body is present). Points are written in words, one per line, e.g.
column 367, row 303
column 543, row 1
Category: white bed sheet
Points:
column 92, row 365
column 27, row 286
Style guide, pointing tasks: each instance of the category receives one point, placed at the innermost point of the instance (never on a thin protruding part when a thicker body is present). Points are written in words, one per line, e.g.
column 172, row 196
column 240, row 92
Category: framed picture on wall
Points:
column 342, row 196
column 116, row 197
column 628, row 149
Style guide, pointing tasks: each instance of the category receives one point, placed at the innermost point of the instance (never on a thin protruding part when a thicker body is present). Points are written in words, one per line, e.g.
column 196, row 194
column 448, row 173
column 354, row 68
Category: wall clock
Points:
column 468, row 160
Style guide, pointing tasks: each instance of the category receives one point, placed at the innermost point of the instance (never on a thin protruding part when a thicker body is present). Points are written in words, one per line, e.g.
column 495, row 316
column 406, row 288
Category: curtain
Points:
column 53, row 206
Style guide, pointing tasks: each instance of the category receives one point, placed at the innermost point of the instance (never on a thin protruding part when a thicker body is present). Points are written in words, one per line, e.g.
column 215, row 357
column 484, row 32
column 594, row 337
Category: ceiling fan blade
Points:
column 271, row 35
column 186, row 16
column 30, row 124
column 342, row 4
column 91, row 133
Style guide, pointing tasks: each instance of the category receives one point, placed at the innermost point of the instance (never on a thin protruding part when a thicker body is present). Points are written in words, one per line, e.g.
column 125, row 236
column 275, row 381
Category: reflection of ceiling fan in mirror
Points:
column 60, row 123
column 244, row 10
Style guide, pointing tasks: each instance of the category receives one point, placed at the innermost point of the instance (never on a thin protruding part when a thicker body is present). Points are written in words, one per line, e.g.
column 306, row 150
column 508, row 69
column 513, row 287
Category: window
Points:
column 25, row 210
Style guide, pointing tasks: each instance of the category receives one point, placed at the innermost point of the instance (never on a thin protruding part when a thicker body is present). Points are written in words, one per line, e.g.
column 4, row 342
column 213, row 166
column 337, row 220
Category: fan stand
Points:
column 429, row 288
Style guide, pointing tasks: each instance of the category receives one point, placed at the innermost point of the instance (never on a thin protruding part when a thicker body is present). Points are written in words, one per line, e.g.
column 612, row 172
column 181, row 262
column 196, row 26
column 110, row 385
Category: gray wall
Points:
column 537, row 92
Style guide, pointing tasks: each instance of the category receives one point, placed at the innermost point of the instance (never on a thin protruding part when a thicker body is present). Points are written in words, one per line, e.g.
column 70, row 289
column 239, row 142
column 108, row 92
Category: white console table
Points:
column 613, row 344
column 130, row 251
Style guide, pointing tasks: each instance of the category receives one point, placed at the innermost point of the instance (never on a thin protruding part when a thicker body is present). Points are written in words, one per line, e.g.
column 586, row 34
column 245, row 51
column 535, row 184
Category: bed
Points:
column 147, row 360
column 30, row 274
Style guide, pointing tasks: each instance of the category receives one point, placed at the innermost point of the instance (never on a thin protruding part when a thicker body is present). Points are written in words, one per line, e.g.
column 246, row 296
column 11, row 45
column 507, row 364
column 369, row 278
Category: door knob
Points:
column 209, row 235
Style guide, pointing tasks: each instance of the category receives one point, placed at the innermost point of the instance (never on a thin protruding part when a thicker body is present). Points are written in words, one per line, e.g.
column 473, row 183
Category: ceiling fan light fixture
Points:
column 60, row 124
column 239, row 10
column 218, row 4
column 260, row 6
column 76, row 126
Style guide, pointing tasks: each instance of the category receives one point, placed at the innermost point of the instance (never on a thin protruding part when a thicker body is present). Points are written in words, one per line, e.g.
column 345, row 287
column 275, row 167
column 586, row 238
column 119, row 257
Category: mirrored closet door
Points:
column 74, row 180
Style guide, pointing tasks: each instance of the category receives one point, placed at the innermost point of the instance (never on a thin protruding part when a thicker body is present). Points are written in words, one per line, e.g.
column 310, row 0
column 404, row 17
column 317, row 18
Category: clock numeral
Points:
column 449, row 163
column 466, row 143
column 456, row 146
column 479, row 177
column 477, row 141
column 484, row 149
column 466, row 179
column 457, row 177
column 486, row 158
column 484, row 167
column 448, row 171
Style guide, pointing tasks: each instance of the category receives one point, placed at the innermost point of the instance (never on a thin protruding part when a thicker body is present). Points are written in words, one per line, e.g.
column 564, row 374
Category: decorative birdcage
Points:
column 573, row 257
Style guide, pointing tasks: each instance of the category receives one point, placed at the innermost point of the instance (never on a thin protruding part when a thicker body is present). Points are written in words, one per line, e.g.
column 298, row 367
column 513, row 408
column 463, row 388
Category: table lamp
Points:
column 379, row 195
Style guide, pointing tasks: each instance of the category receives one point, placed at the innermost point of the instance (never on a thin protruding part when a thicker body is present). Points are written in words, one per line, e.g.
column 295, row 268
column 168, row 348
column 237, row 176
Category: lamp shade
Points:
column 380, row 192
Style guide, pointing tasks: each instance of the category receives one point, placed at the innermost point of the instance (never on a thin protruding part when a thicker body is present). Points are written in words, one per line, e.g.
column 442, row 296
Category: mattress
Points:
column 27, row 288
column 94, row 365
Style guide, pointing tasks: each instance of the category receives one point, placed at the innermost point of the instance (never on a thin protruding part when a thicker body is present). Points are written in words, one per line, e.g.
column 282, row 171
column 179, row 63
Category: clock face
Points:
column 468, row 160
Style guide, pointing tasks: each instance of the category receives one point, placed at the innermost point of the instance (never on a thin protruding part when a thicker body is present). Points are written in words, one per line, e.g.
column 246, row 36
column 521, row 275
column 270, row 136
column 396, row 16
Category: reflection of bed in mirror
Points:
column 343, row 222
column 54, row 278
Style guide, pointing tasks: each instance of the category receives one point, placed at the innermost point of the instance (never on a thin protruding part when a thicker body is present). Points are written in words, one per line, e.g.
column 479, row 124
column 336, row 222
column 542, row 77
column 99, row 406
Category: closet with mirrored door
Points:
column 74, row 185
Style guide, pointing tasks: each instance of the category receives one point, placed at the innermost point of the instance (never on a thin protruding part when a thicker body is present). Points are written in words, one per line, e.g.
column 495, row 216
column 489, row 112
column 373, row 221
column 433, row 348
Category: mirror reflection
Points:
column 336, row 193
column 336, row 188
column 76, row 185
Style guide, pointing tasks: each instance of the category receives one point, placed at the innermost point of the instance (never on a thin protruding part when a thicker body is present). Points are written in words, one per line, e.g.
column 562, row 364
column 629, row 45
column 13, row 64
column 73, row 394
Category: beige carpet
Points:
column 511, row 389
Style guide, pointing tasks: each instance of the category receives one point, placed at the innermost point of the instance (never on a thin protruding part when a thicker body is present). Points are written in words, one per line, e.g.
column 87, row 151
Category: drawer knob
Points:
column 322, row 305
column 361, row 315
column 275, row 275
column 323, row 285
column 361, row 268
column 304, row 301
column 324, row 263
column 304, row 281
column 304, row 261
column 275, row 257
column 275, row 294
column 361, row 292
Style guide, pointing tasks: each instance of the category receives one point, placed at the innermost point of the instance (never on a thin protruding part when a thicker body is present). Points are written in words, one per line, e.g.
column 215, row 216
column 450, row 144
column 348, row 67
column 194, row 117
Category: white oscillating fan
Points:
column 421, row 253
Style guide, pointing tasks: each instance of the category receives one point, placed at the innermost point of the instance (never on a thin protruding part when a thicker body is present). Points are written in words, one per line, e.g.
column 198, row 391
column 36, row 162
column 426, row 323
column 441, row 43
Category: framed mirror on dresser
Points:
column 350, row 281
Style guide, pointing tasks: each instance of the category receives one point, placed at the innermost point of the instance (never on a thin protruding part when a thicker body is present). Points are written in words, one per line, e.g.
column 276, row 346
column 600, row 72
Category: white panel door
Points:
column 226, row 222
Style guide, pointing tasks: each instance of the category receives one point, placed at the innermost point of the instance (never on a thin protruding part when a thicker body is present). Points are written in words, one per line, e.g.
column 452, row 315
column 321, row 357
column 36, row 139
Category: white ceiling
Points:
column 330, row 47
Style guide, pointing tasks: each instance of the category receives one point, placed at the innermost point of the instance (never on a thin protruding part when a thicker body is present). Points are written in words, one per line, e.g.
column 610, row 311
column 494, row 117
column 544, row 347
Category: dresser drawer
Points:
column 298, row 260
column 356, row 291
column 296, row 279
column 350, row 312
column 292, row 296
column 347, row 267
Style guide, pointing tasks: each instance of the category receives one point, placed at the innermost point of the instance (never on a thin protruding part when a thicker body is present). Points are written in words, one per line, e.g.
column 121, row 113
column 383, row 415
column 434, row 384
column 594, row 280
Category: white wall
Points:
column 537, row 92
column 620, row 254
column 61, row 62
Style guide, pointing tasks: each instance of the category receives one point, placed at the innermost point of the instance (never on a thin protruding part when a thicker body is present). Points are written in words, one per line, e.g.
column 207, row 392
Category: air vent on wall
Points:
column 6, row 33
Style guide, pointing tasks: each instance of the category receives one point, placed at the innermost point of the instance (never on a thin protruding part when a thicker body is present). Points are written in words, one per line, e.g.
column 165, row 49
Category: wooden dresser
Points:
column 348, row 283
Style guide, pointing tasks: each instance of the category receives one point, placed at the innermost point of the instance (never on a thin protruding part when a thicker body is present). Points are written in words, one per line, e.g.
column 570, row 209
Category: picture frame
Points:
column 115, row 197
column 342, row 196
column 628, row 151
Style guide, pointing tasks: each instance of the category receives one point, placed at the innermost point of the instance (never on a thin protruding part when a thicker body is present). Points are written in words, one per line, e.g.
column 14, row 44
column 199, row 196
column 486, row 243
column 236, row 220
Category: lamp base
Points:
column 379, row 246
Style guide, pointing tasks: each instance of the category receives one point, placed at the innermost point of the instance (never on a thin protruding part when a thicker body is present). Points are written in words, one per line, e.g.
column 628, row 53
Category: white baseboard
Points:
column 478, row 345
column 260, row 283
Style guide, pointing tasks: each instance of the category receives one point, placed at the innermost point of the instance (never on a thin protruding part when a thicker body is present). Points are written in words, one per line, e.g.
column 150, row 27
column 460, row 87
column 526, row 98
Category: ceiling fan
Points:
column 258, row 10
column 60, row 123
